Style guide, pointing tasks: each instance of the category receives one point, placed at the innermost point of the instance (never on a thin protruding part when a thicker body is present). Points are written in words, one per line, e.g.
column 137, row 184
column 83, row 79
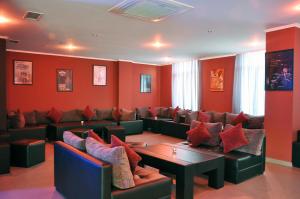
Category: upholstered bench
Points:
column 27, row 152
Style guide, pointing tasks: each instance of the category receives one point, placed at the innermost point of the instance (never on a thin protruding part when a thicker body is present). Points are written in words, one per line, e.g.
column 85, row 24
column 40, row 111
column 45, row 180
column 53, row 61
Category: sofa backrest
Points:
column 79, row 175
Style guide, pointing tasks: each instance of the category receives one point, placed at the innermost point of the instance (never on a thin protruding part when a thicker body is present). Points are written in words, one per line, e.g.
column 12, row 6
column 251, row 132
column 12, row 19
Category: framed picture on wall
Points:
column 64, row 80
column 145, row 86
column 99, row 75
column 217, row 79
column 280, row 70
column 22, row 72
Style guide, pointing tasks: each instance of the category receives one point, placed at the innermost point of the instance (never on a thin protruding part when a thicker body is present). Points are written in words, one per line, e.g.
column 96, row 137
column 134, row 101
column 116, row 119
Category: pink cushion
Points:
column 198, row 135
column 88, row 113
column 92, row 134
column 54, row 115
column 233, row 138
column 133, row 157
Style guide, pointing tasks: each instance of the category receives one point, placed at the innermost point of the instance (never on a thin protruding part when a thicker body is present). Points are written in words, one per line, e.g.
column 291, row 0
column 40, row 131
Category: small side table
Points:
column 117, row 131
column 81, row 132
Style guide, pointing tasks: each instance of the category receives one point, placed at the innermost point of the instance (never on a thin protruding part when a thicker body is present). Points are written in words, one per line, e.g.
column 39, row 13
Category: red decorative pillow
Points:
column 241, row 118
column 92, row 134
column 203, row 117
column 198, row 135
column 175, row 112
column 54, row 115
column 133, row 157
column 116, row 114
column 233, row 138
column 152, row 112
column 88, row 113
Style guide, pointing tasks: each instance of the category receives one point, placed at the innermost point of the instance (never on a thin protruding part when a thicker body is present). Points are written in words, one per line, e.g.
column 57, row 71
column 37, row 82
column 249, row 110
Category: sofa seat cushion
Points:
column 148, row 184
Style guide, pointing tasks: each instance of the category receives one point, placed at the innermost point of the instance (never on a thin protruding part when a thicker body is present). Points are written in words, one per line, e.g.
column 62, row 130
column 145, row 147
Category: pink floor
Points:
column 37, row 182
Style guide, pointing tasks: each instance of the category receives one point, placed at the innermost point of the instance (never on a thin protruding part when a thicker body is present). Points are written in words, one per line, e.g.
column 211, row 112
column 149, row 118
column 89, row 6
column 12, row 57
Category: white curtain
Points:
column 185, row 85
column 249, row 83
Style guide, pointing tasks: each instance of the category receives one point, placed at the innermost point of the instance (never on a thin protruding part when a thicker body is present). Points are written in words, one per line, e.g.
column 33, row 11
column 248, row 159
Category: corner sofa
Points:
column 78, row 175
column 239, row 166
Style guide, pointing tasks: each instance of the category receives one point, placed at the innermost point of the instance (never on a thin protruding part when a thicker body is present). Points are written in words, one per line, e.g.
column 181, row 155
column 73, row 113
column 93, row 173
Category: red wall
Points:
column 217, row 101
column 122, row 84
column 166, row 85
column 282, row 107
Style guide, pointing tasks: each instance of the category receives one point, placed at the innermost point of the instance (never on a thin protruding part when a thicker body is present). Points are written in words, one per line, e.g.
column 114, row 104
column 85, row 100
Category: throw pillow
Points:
column 198, row 135
column 41, row 117
column 174, row 112
column 133, row 157
column 214, row 129
column 116, row 114
column 142, row 112
column 255, row 138
column 71, row 116
column 218, row 117
column 94, row 135
column 88, row 113
column 104, row 114
column 190, row 116
column 255, row 122
column 30, row 118
column 204, row 116
column 233, row 138
column 16, row 119
column 122, row 176
column 54, row 115
column 127, row 115
column 73, row 140
column 241, row 118
column 152, row 112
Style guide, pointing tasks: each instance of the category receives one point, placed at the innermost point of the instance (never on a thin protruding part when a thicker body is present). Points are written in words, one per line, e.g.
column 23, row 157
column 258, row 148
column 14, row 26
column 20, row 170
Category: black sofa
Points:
column 78, row 175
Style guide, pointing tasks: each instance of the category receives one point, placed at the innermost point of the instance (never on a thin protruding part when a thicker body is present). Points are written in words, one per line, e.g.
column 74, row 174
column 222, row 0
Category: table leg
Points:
column 216, row 177
column 184, row 183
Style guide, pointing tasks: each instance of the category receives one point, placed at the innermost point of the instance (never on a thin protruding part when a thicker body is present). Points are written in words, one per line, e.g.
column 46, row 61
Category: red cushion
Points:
column 133, row 157
column 233, row 138
column 152, row 112
column 88, row 113
column 203, row 117
column 175, row 112
column 240, row 118
column 92, row 134
column 116, row 114
column 54, row 115
column 198, row 135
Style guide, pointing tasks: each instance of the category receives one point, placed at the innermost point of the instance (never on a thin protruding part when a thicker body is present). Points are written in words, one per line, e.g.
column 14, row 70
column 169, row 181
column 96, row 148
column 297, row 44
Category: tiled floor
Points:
column 37, row 182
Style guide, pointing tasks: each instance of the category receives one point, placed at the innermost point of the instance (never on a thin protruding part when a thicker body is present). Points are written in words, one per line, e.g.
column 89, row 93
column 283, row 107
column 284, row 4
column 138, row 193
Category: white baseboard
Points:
column 279, row 162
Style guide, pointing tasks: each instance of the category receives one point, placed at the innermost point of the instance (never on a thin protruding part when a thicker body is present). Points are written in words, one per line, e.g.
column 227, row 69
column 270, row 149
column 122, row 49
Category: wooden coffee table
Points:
column 185, row 163
column 117, row 131
column 81, row 132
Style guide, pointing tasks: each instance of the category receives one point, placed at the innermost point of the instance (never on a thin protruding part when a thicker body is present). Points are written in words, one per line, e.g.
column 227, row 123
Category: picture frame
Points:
column 279, row 74
column 145, row 83
column 23, row 72
column 217, row 80
column 64, row 80
column 99, row 75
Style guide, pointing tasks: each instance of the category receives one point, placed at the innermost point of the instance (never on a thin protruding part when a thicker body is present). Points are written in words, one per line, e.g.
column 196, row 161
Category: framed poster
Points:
column 99, row 75
column 145, row 84
column 217, row 79
column 279, row 70
column 22, row 72
column 64, row 80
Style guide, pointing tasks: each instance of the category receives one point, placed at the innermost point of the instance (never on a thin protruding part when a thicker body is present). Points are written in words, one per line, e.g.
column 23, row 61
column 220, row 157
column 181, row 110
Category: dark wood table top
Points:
column 114, row 128
column 80, row 130
column 177, row 154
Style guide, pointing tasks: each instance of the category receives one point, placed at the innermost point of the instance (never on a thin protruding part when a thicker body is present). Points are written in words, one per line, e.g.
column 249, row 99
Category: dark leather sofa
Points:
column 239, row 166
column 78, row 175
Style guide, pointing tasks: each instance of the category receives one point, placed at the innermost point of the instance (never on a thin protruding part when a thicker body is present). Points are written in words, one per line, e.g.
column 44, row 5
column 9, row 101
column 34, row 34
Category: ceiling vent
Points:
column 149, row 10
column 35, row 16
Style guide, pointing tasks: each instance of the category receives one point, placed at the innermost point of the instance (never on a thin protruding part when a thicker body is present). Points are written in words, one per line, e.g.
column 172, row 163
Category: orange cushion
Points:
column 198, row 135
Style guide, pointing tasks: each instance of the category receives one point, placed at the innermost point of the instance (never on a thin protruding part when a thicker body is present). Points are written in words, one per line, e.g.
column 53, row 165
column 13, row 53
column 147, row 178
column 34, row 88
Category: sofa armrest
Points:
column 78, row 175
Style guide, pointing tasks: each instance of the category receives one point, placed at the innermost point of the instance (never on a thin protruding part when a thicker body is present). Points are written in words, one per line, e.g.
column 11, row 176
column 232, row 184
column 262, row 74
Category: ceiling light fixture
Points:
column 297, row 7
column 157, row 44
column 71, row 47
column 4, row 20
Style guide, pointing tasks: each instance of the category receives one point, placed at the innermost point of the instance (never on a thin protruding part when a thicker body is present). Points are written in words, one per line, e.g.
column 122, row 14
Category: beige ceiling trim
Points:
column 294, row 25
column 216, row 57
column 124, row 60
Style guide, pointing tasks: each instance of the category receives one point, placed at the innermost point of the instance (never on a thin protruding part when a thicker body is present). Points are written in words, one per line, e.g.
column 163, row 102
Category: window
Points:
column 249, row 81
column 185, row 85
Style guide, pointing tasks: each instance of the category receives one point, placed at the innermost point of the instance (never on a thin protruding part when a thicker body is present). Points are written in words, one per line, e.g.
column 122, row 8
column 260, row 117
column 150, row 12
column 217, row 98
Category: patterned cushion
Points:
column 204, row 116
column 198, row 135
column 122, row 176
column 30, row 118
column 230, row 117
column 127, row 115
column 71, row 116
column 190, row 116
column 73, row 140
column 214, row 128
column 16, row 119
column 255, row 122
column 179, row 114
column 88, row 114
column 218, row 117
column 255, row 138
column 142, row 112
column 164, row 113
column 104, row 114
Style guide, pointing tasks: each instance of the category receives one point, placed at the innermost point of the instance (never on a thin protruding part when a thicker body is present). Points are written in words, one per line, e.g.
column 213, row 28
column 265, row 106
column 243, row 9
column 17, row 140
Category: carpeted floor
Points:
column 37, row 182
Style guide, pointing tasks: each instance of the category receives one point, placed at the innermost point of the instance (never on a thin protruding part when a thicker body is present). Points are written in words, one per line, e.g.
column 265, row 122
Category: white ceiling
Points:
column 235, row 23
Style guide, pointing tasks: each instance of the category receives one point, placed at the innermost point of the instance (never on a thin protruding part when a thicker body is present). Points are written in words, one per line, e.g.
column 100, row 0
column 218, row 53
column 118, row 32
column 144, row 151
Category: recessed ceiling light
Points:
column 167, row 59
column 70, row 46
column 157, row 44
column 156, row 20
column 297, row 7
column 4, row 19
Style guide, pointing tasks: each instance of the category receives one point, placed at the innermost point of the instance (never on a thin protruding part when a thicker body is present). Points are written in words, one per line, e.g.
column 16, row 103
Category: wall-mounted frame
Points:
column 22, row 72
column 217, row 79
column 279, row 70
column 64, row 80
column 99, row 75
column 145, row 83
